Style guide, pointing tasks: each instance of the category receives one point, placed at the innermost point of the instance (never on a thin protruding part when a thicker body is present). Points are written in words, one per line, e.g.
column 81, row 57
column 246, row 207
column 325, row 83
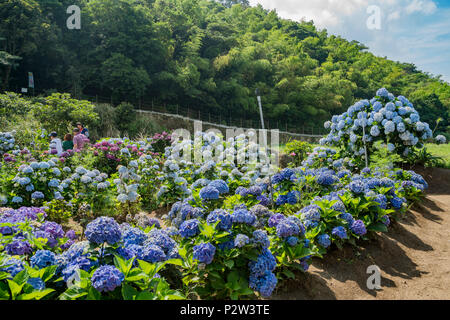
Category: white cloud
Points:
column 393, row 16
column 325, row 13
column 422, row 6
column 411, row 30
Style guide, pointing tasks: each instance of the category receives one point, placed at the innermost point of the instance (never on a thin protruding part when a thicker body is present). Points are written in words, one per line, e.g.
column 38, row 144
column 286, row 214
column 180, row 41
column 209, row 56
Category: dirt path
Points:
column 414, row 257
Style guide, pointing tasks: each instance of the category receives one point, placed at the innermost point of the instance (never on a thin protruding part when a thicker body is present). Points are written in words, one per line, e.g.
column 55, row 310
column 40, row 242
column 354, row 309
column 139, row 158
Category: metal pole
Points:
column 265, row 143
column 365, row 147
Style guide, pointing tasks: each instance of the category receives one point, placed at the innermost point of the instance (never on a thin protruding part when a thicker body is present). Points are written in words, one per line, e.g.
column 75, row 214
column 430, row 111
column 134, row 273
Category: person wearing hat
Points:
column 82, row 129
column 55, row 144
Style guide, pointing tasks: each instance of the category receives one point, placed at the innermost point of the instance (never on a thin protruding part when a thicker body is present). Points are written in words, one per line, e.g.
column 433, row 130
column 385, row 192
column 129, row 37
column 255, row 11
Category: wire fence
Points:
column 221, row 120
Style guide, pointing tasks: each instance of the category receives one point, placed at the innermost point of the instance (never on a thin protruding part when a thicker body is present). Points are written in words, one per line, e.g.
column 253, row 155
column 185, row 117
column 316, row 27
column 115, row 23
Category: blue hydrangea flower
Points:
column 103, row 229
column 339, row 232
column 265, row 262
column 241, row 240
column 264, row 284
column 325, row 179
column 12, row 266
column 152, row 253
column 396, row 202
column 133, row 236
column 189, row 228
column 209, row 193
column 37, row 195
column 107, row 278
column 42, row 259
column 356, row 186
column 222, row 216
column 54, row 229
column 260, row 237
column 287, row 228
column 204, row 252
column 347, row 217
column 36, row 283
column 382, row 93
column 162, row 239
column 243, row 216
column 220, row 185
column 292, row 241
column 324, row 240
column 275, row 219
column 385, row 220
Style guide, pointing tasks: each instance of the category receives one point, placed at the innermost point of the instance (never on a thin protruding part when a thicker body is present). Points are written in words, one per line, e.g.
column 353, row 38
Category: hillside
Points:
column 203, row 55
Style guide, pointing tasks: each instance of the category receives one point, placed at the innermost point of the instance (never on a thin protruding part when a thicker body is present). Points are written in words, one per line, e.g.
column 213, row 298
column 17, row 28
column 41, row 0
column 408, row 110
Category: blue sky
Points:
column 414, row 31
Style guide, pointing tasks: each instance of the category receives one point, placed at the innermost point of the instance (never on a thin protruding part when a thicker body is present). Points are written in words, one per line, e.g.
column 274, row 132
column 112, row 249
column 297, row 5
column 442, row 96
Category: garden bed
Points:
column 413, row 256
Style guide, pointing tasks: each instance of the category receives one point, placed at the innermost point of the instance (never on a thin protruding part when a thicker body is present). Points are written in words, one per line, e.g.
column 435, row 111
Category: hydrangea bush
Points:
column 386, row 118
column 231, row 231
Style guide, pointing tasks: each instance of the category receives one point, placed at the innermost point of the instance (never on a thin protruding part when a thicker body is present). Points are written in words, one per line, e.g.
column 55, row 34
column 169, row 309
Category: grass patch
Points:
column 442, row 150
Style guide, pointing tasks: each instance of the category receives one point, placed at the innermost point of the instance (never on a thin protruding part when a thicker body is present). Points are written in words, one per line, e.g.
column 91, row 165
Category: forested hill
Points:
column 204, row 55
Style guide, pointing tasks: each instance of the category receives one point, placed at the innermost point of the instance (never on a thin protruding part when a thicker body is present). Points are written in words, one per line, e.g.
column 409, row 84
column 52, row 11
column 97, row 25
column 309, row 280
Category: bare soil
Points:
column 414, row 256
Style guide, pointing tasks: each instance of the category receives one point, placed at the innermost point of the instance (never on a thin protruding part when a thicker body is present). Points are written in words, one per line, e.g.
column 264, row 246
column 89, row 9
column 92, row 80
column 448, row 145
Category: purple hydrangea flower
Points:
column 18, row 247
column 358, row 227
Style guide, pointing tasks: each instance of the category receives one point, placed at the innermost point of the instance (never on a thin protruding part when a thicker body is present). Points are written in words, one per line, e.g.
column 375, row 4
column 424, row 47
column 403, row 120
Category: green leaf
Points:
column 73, row 293
column 136, row 275
column 177, row 262
column 21, row 277
column 4, row 294
column 48, row 272
column 229, row 263
column 146, row 267
column 289, row 274
column 145, row 295
column 175, row 296
column 380, row 227
column 128, row 292
column 35, row 295
column 93, row 294
column 14, row 288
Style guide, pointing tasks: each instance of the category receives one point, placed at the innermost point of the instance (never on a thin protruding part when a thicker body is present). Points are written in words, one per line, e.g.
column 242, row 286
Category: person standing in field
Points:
column 68, row 143
column 79, row 139
column 82, row 129
column 55, row 144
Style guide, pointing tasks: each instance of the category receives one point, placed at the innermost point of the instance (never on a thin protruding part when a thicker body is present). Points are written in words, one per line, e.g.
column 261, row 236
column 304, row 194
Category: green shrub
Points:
column 14, row 104
column 298, row 150
column 124, row 114
column 59, row 113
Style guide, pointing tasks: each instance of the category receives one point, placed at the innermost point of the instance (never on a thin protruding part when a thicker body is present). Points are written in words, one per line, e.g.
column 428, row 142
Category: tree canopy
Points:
column 206, row 55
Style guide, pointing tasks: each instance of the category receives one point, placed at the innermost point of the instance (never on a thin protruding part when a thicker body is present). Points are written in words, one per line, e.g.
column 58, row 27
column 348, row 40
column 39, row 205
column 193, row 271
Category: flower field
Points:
column 236, row 227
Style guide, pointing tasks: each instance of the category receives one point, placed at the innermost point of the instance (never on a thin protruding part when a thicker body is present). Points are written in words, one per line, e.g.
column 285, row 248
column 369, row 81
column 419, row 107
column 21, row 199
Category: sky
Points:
column 413, row 31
